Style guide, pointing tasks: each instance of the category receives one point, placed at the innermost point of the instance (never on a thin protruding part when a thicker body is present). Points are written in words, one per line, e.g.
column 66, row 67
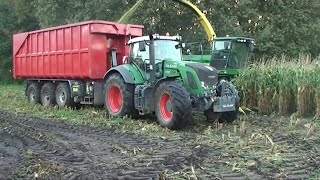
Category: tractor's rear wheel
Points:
column 63, row 95
column 33, row 93
column 119, row 97
column 48, row 94
column 173, row 105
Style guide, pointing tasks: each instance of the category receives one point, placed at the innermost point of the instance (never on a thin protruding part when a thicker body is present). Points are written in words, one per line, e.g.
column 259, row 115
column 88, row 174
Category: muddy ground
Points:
column 32, row 148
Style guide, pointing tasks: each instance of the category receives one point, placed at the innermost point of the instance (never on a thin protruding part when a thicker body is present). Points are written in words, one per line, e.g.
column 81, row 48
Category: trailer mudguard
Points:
column 130, row 74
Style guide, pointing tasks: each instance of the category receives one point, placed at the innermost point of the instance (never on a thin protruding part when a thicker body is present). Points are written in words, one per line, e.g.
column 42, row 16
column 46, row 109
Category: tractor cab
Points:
column 231, row 53
column 166, row 48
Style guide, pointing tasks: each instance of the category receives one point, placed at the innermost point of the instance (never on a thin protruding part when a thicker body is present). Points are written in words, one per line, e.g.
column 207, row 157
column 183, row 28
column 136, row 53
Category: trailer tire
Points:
column 48, row 94
column 63, row 95
column 33, row 93
column 119, row 97
column 172, row 105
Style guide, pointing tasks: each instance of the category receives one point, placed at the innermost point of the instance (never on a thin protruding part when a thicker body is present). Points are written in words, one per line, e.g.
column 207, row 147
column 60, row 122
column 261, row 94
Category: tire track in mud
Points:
column 89, row 153
column 81, row 152
column 298, row 161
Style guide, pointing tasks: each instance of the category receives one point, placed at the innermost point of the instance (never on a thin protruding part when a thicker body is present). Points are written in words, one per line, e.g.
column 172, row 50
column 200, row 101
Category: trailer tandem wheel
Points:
column 63, row 95
column 33, row 93
column 48, row 94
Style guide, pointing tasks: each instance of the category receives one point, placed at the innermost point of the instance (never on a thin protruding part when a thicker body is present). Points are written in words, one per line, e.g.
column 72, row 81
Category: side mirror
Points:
column 142, row 46
column 200, row 48
column 180, row 45
column 251, row 47
column 227, row 45
column 125, row 60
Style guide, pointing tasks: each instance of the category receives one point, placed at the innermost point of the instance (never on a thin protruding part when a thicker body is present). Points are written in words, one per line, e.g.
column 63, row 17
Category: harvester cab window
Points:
column 239, row 55
column 230, row 54
column 222, row 50
column 220, row 54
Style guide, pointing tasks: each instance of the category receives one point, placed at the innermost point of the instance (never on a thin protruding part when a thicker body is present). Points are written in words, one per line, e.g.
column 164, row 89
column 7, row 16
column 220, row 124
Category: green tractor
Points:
column 156, row 80
column 228, row 55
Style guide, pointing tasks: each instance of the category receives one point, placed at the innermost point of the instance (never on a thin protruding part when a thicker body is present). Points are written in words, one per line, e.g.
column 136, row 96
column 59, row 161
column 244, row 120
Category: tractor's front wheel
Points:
column 231, row 116
column 212, row 116
column 119, row 97
column 173, row 105
column 225, row 117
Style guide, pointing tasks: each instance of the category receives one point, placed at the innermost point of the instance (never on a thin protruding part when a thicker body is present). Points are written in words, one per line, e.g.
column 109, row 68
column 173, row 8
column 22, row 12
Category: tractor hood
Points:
column 206, row 74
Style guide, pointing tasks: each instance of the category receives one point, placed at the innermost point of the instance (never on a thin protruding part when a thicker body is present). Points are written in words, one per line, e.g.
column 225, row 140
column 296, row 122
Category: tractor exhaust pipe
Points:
column 152, row 60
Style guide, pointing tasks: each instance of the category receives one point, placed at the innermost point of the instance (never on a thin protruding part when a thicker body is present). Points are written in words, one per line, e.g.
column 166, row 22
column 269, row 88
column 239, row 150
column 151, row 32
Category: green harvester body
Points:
column 227, row 54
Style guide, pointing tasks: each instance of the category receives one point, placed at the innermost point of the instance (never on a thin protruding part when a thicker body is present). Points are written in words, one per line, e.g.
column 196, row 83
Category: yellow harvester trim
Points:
column 126, row 16
column 202, row 18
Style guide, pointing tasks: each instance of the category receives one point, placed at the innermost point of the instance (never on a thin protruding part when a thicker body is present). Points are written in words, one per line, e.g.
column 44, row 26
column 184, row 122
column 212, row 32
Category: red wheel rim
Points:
column 166, row 107
column 115, row 99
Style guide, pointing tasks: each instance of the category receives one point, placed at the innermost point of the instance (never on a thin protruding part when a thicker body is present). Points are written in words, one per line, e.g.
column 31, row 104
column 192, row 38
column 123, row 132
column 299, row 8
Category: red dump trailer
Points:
column 71, row 59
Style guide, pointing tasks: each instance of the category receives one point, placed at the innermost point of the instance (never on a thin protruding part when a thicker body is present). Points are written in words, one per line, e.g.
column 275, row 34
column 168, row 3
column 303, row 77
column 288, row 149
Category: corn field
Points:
column 281, row 85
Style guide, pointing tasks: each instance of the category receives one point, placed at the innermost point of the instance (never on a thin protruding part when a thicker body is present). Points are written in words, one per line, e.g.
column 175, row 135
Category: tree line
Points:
column 289, row 27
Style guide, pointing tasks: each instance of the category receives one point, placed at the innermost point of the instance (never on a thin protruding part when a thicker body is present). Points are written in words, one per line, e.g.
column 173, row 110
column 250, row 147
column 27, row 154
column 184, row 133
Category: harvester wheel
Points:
column 119, row 97
column 63, row 95
column 48, row 94
column 33, row 93
column 173, row 105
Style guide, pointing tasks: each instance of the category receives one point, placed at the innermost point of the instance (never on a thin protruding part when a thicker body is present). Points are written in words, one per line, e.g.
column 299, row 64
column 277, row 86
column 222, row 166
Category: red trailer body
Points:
column 78, row 51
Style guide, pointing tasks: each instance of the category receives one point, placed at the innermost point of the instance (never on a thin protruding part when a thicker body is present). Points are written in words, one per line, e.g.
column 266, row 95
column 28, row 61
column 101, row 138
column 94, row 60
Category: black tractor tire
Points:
column 229, row 117
column 212, row 116
column 119, row 97
column 172, row 105
column 225, row 117
column 33, row 93
column 48, row 94
column 63, row 95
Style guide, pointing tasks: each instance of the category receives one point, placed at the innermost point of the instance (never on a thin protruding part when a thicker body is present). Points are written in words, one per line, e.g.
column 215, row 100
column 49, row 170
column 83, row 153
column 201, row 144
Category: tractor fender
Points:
column 161, row 81
column 124, row 72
